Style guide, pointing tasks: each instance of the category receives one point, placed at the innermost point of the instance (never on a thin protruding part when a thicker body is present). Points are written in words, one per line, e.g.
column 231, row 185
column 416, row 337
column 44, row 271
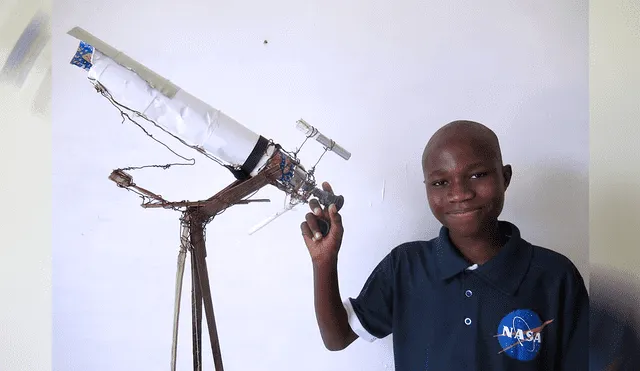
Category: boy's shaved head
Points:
column 466, row 130
column 465, row 177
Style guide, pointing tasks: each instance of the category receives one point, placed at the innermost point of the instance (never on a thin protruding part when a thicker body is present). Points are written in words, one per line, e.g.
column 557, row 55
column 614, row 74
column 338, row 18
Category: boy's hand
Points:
column 322, row 248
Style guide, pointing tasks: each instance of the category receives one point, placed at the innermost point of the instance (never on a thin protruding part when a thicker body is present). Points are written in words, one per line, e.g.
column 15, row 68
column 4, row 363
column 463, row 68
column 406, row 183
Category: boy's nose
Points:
column 460, row 191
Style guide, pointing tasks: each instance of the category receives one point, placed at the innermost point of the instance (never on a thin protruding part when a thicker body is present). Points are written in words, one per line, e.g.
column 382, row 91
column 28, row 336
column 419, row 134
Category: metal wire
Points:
column 122, row 108
column 313, row 132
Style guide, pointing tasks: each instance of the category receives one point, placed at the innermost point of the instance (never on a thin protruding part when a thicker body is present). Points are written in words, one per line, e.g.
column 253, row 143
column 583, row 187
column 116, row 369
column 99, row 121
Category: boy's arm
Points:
column 369, row 315
column 331, row 315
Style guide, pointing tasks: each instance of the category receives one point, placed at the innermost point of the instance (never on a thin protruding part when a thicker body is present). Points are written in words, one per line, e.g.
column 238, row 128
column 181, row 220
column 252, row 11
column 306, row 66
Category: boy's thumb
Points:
column 336, row 219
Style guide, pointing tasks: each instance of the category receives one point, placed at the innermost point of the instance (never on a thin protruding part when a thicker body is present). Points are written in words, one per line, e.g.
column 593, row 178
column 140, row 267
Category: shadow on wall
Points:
column 615, row 294
column 28, row 57
column 550, row 206
column 616, row 214
column 614, row 338
column 550, row 195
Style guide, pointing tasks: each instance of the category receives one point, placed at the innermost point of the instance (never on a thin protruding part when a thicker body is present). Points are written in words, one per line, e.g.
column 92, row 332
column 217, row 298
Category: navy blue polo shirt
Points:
column 525, row 309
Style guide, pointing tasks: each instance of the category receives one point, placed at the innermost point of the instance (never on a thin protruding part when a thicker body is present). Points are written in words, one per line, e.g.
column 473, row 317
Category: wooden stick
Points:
column 197, row 240
column 196, row 314
column 171, row 205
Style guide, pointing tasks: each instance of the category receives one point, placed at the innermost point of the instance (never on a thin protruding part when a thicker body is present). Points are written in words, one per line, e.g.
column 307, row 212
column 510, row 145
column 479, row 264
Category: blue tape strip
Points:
column 286, row 176
column 82, row 58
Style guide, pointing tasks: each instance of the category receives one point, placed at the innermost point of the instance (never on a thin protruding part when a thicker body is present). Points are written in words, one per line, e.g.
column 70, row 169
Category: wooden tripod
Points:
column 194, row 220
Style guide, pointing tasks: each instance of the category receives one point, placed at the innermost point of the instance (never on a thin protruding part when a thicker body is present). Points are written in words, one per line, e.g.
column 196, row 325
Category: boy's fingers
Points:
column 312, row 223
column 337, row 229
column 315, row 207
column 306, row 231
column 336, row 218
column 327, row 187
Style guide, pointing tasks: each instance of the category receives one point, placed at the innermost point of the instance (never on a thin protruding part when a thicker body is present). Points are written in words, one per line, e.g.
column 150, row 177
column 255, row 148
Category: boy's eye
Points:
column 441, row 183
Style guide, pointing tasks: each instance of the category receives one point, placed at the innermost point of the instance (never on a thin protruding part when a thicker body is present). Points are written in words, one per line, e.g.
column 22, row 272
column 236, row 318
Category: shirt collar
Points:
column 505, row 271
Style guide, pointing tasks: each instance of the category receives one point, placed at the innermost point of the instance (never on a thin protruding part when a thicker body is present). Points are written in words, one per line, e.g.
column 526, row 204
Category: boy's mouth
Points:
column 464, row 212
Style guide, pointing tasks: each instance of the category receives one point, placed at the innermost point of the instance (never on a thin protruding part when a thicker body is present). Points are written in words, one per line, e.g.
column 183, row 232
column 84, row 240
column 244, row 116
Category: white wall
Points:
column 380, row 78
column 615, row 133
column 25, row 174
column 614, row 174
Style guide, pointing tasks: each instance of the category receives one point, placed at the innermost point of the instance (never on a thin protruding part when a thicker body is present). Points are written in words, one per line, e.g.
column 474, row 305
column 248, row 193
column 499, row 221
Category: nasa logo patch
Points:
column 520, row 334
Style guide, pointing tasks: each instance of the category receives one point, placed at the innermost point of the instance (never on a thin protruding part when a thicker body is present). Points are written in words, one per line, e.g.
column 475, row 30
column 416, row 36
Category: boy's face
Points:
column 465, row 183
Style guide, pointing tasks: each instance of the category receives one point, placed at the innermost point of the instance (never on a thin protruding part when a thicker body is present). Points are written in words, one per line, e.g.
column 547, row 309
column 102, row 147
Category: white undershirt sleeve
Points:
column 355, row 323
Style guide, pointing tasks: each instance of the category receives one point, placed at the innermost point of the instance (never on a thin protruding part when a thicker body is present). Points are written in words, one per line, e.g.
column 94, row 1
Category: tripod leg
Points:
column 196, row 314
column 197, row 241
column 176, row 313
column 182, row 255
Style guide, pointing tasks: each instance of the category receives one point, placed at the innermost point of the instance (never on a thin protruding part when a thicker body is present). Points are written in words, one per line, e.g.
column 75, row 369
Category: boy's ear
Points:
column 507, row 173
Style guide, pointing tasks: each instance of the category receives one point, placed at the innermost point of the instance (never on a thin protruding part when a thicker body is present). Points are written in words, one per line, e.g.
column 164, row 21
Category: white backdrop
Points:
column 379, row 77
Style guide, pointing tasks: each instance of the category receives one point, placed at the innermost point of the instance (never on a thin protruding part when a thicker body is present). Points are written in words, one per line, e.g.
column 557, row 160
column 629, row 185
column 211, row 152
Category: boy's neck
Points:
column 479, row 249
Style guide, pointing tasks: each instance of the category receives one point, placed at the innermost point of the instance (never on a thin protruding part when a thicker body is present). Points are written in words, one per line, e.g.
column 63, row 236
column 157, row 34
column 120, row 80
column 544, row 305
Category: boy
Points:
column 477, row 297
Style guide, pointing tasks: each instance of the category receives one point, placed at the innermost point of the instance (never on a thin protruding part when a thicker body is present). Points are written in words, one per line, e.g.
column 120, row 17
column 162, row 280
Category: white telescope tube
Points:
column 173, row 109
column 184, row 115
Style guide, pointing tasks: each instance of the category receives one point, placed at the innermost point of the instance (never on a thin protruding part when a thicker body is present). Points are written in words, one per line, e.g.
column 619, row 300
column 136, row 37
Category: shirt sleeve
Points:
column 574, row 354
column 371, row 312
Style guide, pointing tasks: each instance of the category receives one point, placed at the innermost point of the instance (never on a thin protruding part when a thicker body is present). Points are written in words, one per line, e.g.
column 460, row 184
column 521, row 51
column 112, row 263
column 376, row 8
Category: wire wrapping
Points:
column 105, row 93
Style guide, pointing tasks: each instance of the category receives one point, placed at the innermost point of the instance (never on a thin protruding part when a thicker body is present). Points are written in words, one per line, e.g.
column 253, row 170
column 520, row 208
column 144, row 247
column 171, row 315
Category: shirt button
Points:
column 468, row 293
column 467, row 321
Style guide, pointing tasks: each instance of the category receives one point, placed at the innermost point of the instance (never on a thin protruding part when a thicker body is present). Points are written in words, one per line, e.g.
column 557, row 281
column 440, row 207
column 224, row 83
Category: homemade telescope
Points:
column 254, row 161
